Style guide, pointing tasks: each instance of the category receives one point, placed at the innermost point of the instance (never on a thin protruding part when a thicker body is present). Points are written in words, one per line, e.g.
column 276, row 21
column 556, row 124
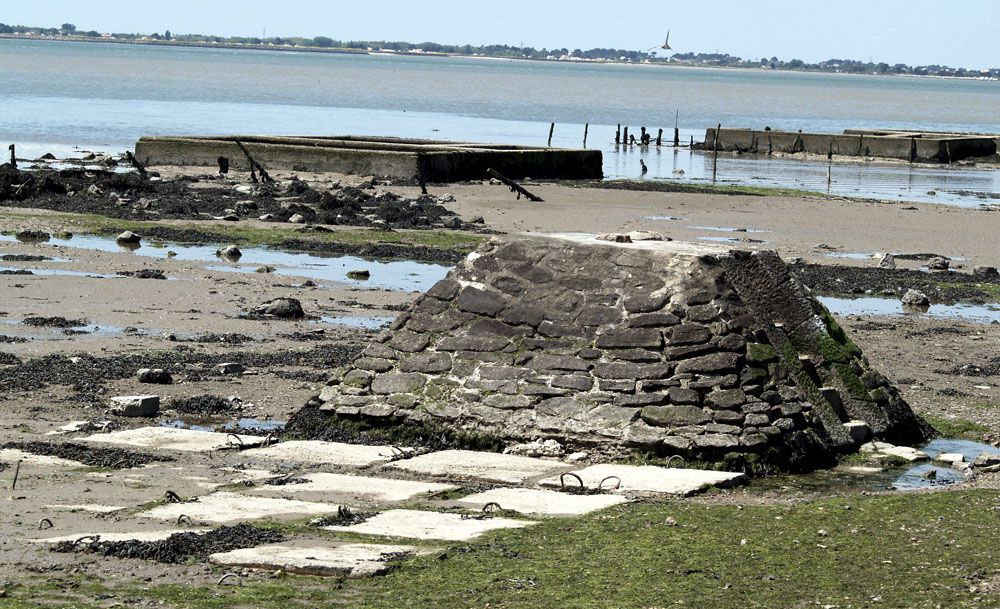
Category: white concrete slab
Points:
column 491, row 467
column 541, row 502
column 135, row 536
column 882, row 450
column 648, row 479
column 357, row 487
column 170, row 438
column 324, row 453
column 416, row 524
column 350, row 560
column 88, row 507
column 234, row 507
column 12, row 456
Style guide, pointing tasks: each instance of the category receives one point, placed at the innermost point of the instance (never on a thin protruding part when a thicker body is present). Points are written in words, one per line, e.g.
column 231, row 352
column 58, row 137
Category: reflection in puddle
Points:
column 403, row 275
column 663, row 218
column 358, row 321
column 728, row 229
column 891, row 306
column 732, row 240
column 56, row 272
column 927, row 475
column 56, row 333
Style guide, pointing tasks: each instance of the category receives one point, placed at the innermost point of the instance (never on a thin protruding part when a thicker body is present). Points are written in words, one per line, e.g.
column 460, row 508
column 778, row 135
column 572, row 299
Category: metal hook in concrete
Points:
column 562, row 480
column 492, row 507
column 92, row 538
column 222, row 580
column 618, row 483
column 44, row 521
column 239, row 441
column 678, row 457
column 172, row 497
column 185, row 518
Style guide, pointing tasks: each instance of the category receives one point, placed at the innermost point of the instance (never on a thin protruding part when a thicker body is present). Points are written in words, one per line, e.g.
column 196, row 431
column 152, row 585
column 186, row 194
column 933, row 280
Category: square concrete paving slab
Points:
column 416, row 524
column 324, row 453
column 135, row 536
column 491, row 467
column 234, row 507
column 350, row 560
column 649, row 479
column 169, row 438
column 356, row 487
column 541, row 502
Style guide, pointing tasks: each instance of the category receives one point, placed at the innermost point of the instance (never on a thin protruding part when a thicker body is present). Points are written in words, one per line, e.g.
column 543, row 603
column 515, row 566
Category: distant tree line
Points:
column 846, row 66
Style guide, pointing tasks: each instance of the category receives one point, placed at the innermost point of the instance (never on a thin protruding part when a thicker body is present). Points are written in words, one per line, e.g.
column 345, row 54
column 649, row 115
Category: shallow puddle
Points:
column 403, row 275
column 728, row 229
column 56, row 273
column 245, row 425
column 358, row 321
column 871, row 305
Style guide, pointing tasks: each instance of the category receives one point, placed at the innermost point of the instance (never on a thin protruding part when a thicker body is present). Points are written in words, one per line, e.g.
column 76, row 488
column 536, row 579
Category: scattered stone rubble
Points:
column 666, row 348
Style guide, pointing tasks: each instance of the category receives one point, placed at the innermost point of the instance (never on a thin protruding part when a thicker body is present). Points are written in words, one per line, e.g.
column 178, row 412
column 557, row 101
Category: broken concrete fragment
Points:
column 154, row 376
column 347, row 560
column 234, row 507
column 416, row 524
column 170, row 438
column 492, row 467
column 648, row 479
column 541, row 502
column 884, row 449
column 135, row 406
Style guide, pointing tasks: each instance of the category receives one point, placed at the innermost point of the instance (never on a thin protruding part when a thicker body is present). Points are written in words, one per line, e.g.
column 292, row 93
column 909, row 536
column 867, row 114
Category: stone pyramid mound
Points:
column 662, row 347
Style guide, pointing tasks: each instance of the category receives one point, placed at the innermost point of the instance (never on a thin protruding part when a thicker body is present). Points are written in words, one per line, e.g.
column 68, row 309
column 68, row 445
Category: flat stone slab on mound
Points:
column 135, row 536
column 325, row 453
column 885, row 450
column 491, row 467
column 543, row 502
column 357, row 487
column 234, row 507
column 11, row 455
column 416, row 524
column 650, row 479
column 350, row 560
column 169, row 438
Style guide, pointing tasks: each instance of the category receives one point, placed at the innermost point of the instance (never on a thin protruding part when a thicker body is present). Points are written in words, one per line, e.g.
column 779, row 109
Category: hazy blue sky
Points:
column 958, row 33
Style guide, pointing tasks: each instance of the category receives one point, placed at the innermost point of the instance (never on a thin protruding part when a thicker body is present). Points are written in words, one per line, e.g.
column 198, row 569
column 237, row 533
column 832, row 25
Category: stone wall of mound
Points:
column 662, row 347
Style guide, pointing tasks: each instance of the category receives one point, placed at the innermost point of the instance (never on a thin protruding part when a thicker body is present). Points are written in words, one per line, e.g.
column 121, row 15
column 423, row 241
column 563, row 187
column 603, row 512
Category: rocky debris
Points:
column 144, row 274
column 135, row 406
column 230, row 368
column 280, row 308
column 128, row 238
column 203, row 404
column 886, row 261
column 265, row 269
column 939, row 263
column 154, row 376
column 359, row 275
column 113, row 458
column 988, row 273
column 626, row 349
column 54, row 322
column 229, row 252
column 913, row 298
column 538, row 448
column 945, row 288
column 179, row 548
column 884, row 449
column 32, row 236
column 24, row 258
column 987, row 460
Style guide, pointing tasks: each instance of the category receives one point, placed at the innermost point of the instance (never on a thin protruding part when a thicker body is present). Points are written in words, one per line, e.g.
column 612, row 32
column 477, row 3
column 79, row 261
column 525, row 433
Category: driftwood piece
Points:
column 267, row 179
column 514, row 186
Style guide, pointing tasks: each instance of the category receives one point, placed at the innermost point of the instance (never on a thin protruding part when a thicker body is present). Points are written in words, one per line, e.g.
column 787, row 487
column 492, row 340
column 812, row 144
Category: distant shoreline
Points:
column 347, row 51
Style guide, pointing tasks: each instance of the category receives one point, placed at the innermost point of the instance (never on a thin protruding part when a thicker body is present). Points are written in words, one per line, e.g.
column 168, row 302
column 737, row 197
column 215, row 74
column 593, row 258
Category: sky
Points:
column 960, row 33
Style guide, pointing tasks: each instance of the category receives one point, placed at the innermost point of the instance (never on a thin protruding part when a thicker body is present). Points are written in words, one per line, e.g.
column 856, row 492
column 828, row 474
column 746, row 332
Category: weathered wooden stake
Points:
column 264, row 177
column 625, row 135
column 17, row 472
column 13, row 156
column 586, row 130
column 677, row 130
column 618, row 135
column 659, row 138
column 715, row 157
column 552, row 129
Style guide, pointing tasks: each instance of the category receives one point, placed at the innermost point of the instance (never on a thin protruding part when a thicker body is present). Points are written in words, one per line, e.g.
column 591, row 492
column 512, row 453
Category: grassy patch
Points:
column 957, row 428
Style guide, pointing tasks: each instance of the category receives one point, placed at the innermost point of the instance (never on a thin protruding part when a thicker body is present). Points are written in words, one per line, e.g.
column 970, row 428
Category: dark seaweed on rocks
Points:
column 202, row 404
column 53, row 322
column 179, row 547
column 944, row 287
column 114, row 458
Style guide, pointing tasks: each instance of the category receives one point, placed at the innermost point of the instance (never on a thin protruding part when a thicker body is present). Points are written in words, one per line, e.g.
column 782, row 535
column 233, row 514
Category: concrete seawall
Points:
column 903, row 145
column 401, row 159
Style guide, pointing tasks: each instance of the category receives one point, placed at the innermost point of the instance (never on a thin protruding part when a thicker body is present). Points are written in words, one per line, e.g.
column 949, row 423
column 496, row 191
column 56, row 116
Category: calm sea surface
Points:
column 54, row 96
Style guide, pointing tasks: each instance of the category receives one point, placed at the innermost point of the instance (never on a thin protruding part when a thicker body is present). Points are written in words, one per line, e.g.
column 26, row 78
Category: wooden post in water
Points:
column 618, row 135
column 586, row 130
column 691, row 143
column 715, row 155
column 625, row 136
column 677, row 131
column 659, row 138
column 13, row 156
column 552, row 129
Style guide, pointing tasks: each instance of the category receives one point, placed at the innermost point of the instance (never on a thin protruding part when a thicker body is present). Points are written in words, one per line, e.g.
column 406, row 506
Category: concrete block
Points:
column 169, row 438
column 235, row 507
column 541, row 502
column 135, row 406
column 324, row 453
column 858, row 430
column 416, row 524
column 649, row 479
column 348, row 560
column 357, row 488
column 491, row 467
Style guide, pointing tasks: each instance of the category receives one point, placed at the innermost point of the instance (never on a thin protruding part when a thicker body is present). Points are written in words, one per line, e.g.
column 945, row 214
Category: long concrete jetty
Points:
column 395, row 158
column 913, row 146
